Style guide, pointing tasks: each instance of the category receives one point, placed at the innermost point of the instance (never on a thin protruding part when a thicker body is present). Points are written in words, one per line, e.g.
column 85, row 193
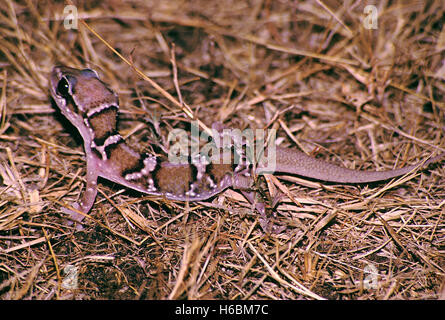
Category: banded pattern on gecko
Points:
column 92, row 107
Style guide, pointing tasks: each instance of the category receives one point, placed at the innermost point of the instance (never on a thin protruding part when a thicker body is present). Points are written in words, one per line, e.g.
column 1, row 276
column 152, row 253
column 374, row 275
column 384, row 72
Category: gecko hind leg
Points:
column 265, row 223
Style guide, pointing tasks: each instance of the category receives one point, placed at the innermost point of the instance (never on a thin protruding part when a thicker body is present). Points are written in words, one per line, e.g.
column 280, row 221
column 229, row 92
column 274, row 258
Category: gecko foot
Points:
column 74, row 217
column 265, row 223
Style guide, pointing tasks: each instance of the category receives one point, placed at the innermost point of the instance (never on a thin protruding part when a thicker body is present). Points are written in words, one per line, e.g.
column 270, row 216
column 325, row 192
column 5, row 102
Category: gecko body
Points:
column 92, row 107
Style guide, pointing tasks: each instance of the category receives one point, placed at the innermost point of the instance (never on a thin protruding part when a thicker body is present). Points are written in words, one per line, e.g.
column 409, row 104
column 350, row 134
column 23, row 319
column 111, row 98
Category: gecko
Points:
column 92, row 108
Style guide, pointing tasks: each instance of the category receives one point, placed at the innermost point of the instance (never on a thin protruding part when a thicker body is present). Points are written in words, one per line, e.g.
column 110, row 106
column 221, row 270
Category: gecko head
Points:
column 79, row 94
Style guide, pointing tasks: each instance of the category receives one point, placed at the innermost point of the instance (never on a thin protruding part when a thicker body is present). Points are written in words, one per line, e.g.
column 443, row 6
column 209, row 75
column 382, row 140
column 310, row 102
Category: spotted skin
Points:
column 92, row 107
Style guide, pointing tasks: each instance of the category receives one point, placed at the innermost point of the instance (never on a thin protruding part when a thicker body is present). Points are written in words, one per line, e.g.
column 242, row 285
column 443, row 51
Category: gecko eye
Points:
column 65, row 86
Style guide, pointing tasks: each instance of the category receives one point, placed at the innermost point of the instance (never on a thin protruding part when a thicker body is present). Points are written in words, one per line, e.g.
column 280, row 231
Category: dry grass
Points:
column 366, row 99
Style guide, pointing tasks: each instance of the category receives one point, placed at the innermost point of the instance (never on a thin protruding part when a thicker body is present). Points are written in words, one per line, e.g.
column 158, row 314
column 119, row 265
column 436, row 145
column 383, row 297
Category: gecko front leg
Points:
column 89, row 195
